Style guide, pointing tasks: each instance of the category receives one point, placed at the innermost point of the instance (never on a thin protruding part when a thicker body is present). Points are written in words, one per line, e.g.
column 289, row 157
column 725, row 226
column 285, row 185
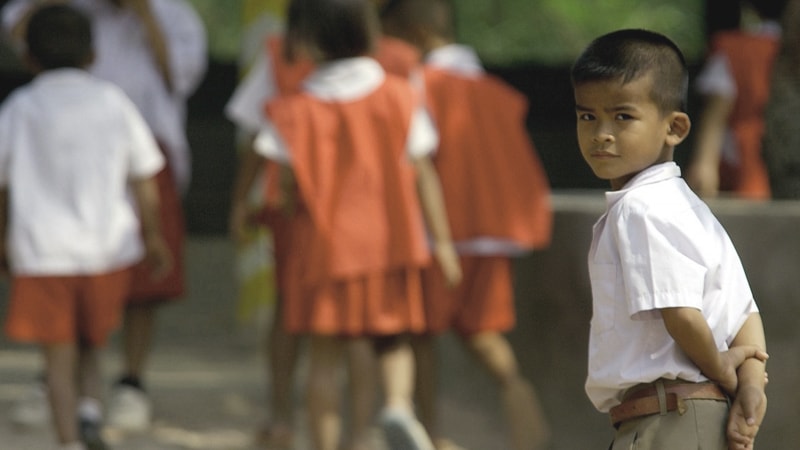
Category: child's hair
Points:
column 626, row 55
column 331, row 29
column 59, row 36
column 434, row 16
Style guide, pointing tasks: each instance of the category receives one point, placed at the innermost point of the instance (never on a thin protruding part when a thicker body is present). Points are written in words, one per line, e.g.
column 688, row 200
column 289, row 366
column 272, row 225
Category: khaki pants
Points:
column 702, row 426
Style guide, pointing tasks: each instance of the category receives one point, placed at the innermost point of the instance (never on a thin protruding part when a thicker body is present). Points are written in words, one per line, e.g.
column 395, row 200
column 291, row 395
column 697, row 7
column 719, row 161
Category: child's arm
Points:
column 430, row 193
column 250, row 166
column 750, row 404
column 689, row 329
column 703, row 172
column 155, row 37
column 157, row 255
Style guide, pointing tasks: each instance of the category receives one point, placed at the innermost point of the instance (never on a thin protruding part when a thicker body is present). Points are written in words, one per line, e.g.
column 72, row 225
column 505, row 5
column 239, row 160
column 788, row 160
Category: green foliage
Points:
column 223, row 20
column 507, row 32
column 554, row 31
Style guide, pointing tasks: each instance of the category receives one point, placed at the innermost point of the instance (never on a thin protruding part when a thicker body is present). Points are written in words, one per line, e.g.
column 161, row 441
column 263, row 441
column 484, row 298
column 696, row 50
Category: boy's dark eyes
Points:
column 585, row 116
column 623, row 116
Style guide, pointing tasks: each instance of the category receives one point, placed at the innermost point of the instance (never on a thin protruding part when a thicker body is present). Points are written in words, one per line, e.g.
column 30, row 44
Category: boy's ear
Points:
column 679, row 126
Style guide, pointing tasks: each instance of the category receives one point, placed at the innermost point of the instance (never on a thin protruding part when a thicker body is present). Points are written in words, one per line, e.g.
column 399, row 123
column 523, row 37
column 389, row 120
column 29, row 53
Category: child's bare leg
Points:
column 527, row 423
column 397, row 375
column 426, row 382
column 400, row 425
column 61, row 361
column 90, row 377
column 324, row 392
column 138, row 327
column 282, row 350
column 362, row 368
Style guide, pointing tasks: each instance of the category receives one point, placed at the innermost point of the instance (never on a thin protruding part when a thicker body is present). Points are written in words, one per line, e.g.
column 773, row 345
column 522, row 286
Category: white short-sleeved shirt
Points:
column 246, row 106
column 71, row 144
column 123, row 57
column 349, row 80
column 657, row 246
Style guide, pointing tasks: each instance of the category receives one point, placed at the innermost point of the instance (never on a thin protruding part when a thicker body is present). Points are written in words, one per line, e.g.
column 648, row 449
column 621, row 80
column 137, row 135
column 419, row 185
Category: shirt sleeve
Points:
column 146, row 159
column 660, row 262
column 187, row 44
column 423, row 139
column 270, row 145
column 246, row 106
column 716, row 79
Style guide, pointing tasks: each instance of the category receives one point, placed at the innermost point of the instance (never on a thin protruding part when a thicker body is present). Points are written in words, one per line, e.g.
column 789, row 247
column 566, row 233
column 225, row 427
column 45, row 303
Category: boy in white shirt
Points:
column 675, row 332
column 75, row 155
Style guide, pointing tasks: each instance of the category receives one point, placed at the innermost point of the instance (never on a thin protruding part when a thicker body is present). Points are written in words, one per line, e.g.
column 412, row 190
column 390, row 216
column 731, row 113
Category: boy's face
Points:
column 621, row 131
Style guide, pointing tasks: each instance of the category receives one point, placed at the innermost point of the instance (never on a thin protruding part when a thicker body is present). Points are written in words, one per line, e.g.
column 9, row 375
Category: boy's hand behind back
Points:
column 746, row 415
column 732, row 359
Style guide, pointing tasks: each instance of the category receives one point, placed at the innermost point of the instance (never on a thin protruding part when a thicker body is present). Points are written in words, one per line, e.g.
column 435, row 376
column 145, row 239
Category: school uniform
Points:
column 71, row 144
column 123, row 57
column 272, row 76
column 740, row 68
column 659, row 246
column 359, row 235
column 496, row 191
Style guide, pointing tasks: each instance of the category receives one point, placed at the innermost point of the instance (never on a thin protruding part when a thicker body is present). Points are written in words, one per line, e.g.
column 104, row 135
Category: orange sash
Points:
column 493, row 181
column 353, row 175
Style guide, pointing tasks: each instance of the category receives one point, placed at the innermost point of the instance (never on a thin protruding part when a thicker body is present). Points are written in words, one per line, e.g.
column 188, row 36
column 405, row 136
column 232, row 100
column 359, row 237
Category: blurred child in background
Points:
column 74, row 147
column 735, row 84
column 498, row 204
column 355, row 143
column 155, row 50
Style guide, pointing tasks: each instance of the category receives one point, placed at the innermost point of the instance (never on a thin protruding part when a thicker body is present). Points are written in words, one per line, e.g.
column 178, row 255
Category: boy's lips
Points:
column 603, row 154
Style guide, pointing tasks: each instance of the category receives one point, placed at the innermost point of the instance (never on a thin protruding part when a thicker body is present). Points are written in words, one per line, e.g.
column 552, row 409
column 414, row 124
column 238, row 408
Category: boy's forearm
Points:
column 691, row 332
column 155, row 38
column 751, row 372
column 147, row 199
column 432, row 199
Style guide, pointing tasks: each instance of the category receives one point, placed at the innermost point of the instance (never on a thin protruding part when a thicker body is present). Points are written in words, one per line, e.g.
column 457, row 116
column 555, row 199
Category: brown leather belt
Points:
column 643, row 400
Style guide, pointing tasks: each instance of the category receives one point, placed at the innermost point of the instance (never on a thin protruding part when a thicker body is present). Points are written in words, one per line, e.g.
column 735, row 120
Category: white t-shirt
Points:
column 657, row 246
column 71, row 144
column 123, row 57
column 349, row 80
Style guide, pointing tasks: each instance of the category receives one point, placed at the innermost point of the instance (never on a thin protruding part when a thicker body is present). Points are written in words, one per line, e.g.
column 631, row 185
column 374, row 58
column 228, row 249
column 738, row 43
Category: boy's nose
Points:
column 602, row 135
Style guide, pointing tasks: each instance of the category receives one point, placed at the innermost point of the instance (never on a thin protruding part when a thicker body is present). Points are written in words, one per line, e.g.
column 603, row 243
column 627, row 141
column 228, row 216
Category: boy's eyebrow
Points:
column 622, row 107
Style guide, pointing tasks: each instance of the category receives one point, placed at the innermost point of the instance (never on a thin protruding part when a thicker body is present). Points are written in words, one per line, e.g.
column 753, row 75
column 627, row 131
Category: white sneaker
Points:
column 403, row 431
column 32, row 410
column 129, row 409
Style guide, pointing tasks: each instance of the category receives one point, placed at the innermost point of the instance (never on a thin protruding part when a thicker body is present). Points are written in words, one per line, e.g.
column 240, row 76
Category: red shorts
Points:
column 484, row 301
column 144, row 289
column 62, row 309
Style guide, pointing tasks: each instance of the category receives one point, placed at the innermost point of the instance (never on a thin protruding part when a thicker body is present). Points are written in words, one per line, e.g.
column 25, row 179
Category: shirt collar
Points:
column 653, row 174
column 456, row 58
column 60, row 75
column 345, row 79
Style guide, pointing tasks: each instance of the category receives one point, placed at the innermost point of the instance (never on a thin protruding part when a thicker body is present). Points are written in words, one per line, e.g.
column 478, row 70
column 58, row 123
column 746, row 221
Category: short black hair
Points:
column 436, row 16
column 334, row 28
column 629, row 54
column 59, row 36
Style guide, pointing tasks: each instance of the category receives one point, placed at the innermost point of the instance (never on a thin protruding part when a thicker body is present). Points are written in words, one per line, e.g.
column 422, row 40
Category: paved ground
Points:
column 207, row 376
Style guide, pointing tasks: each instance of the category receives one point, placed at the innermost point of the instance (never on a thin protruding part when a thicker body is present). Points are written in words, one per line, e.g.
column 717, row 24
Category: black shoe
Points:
column 91, row 435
